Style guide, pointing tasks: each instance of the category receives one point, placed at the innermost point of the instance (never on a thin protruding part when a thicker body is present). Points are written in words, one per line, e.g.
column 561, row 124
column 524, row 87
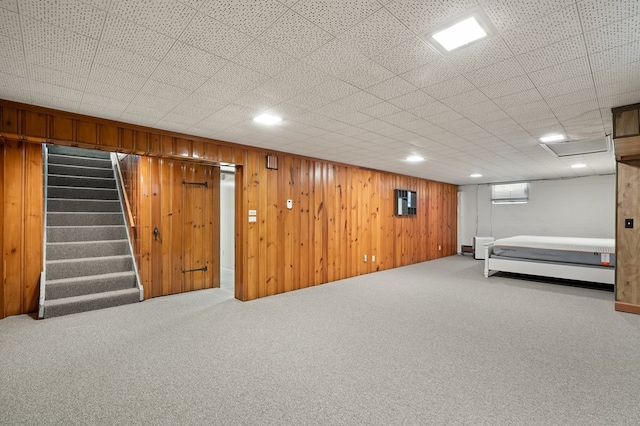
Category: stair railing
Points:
column 43, row 273
column 128, row 216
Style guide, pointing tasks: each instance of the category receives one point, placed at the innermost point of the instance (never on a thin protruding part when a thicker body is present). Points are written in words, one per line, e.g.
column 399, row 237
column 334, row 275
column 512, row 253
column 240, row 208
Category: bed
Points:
column 581, row 259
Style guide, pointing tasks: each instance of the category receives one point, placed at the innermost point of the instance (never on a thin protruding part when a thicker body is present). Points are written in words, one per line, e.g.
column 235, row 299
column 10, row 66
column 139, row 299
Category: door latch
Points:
column 156, row 233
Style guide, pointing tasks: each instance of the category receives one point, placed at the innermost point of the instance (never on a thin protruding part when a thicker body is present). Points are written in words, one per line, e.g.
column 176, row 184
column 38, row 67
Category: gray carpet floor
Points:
column 432, row 343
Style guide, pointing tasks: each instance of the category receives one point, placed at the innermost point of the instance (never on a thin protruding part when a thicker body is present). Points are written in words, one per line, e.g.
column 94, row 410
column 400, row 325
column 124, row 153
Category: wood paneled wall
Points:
column 186, row 216
column 21, row 217
column 340, row 213
column 628, row 239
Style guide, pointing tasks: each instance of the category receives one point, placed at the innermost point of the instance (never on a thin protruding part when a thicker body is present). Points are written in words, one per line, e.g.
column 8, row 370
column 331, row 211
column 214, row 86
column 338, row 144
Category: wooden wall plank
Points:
column 33, row 226
column 37, row 123
column 628, row 239
column 13, row 249
column 2, row 226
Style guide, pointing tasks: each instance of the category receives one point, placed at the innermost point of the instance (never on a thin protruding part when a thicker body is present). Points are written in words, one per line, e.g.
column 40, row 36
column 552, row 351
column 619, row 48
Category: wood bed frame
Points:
column 603, row 275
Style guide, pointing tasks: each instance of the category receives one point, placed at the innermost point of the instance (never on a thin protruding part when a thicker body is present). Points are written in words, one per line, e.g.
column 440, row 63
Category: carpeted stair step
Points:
column 80, row 286
column 84, row 218
column 90, row 302
column 75, row 192
column 76, row 170
column 89, row 182
column 79, row 250
column 62, row 234
column 69, row 205
column 70, row 268
column 78, row 152
column 79, row 161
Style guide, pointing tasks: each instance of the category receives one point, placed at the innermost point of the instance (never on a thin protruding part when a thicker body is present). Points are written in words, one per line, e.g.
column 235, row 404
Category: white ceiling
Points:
column 354, row 80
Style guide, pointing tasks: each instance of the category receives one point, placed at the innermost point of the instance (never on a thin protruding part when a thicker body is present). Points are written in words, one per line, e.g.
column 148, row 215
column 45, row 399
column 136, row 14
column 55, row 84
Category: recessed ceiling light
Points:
column 476, row 175
column 578, row 166
column 462, row 33
column 414, row 158
column 267, row 119
column 552, row 138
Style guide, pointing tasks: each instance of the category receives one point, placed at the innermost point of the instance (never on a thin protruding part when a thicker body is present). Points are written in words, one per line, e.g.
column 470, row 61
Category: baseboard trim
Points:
column 627, row 307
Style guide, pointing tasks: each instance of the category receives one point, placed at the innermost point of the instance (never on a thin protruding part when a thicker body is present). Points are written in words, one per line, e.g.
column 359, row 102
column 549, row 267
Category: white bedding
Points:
column 595, row 245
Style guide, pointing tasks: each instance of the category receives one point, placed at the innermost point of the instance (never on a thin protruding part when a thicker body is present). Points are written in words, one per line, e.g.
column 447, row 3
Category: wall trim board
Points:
column 340, row 212
column 629, row 308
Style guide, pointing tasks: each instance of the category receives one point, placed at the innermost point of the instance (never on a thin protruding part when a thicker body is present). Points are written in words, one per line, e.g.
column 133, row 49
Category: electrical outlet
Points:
column 365, row 258
column 373, row 258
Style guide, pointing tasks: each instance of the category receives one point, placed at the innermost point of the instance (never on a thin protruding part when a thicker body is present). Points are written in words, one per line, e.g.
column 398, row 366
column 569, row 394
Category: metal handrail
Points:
column 122, row 195
column 43, row 273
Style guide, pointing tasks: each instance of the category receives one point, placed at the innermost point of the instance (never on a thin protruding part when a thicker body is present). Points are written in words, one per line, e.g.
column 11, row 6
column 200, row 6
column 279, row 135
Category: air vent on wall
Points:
column 565, row 149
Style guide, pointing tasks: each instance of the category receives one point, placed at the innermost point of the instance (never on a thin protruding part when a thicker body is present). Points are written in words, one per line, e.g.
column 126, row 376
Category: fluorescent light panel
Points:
column 267, row 119
column 552, row 138
column 457, row 35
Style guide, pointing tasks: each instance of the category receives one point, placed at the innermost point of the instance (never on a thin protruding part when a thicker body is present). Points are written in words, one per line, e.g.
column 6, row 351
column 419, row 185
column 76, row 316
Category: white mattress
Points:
column 591, row 245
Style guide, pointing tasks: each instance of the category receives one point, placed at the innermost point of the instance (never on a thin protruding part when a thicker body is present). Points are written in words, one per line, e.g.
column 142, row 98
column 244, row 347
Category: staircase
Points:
column 88, row 261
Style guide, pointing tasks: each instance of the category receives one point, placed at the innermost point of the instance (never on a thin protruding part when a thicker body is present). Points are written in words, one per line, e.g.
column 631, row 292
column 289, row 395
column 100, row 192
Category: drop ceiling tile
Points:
column 366, row 75
column 303, row 76
column 575, row 84
column 613, row 35
column 14, row 81
column 335, row 58
column 571, row 98
column 520, row 98
column 278, row 90
column 578, row 111
column 400, row 118
column 420, row 16
column 58, row 39
column 256, row 102
column 110, row 91
column 391, row 88
column 430, row 74
column 200, row 102
column 495, row 73
column 193, row 59
column 11, row 48
column 98, row 4
column 236, row 75
column 178, row 77
column 214, row 37
column 407, row 56
column 139, row 118
column 381, row 110
column 295, row 35
column 265, row 59
column 72, row 15
column 99, row 111
column 57, row 60
column 115, row 77
column 287, row 111
column 544, row 31
column 135, row 38
column 598, row 13
column 9, row 24
column 412, row 100
column 57, row 78
column 508, row 87
column 480, row 54
column 334, row 89
column 376, row 34
column 621, row 55
column 561, row 72
column 46, row 89
column 467, row 98
column 172, row 94
column 529, row 112
column 164, row 16
column 452, row 87
column 507, row 14
column 444, row 118
column 14, row 66
column 245, row 16
column 219, row 90
column 430, row 109
column 554, row 54
column 104, row 101
column 336, row 17
column 50, row 100
column 11, row 5
column 308, row 101
column 359, row 100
